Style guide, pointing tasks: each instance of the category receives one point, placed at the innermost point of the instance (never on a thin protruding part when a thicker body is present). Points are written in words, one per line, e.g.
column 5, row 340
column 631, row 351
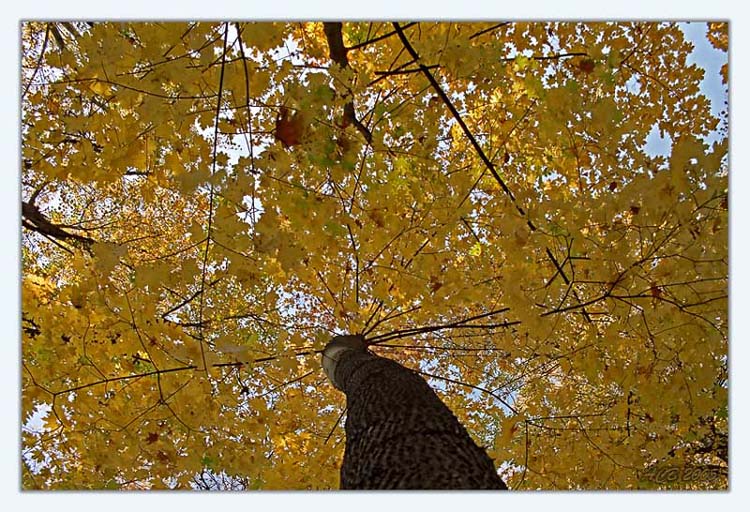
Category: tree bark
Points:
column 399, row 434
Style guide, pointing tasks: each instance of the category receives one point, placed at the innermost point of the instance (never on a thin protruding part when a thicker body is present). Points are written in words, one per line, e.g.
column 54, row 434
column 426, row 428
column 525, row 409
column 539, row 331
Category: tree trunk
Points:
column 399, row 434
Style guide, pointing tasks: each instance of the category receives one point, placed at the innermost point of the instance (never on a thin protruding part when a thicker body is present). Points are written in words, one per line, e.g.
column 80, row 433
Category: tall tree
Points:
column 399, row 435
column 206, row 204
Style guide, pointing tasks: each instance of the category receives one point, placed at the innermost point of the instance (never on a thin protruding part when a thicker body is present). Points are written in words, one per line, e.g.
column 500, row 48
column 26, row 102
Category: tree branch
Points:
column 337, row 53
column 448, row 103
column 34, row 220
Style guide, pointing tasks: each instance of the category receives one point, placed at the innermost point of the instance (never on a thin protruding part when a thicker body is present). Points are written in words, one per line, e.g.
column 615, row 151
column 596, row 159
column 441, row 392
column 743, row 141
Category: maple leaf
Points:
column 290, row 128
column 586, row 65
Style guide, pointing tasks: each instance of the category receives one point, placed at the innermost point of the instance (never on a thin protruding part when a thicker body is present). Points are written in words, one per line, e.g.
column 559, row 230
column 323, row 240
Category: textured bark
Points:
column 399, row 434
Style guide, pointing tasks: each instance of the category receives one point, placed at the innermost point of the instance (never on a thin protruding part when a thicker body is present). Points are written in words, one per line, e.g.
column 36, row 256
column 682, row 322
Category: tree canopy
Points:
column 204, row 205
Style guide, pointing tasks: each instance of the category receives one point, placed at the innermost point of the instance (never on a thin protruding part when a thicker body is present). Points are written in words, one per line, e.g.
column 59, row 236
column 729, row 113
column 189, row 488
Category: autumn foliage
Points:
column 206, row 204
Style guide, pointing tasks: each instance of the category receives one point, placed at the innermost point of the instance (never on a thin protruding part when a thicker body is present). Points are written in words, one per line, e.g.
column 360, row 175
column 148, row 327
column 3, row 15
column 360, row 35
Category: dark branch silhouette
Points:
column 34, row 220
column 338, row 55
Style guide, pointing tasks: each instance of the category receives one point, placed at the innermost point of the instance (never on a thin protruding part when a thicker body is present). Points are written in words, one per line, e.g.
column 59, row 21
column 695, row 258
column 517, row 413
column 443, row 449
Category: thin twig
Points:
column 38, row 61
column 335, row 425
column 211, row 199
column 466, row 384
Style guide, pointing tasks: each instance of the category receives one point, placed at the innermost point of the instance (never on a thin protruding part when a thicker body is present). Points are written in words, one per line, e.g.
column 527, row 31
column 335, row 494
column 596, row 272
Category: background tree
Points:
column 206, row 204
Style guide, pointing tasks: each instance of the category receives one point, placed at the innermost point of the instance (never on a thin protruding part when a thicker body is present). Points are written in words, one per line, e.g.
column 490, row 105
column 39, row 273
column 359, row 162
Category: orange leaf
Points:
column 289, row 129
column 586, row 65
